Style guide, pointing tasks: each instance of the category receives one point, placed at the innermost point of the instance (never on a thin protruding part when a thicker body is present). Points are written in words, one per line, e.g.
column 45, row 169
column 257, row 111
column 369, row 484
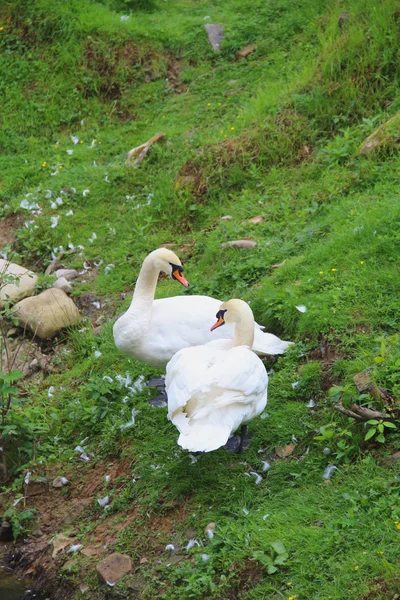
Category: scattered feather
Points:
column 97, row 354
column 54, row 221
column 124, row 18
column 103, row 501
column 98, row 263
column 266, row 465
column 170, row 547
column 92, row 238
column 96, row 304
column 74, row 139
column 301, row 308
column 295, row 384
column 69, row 152
column 69, row 213
column 191, row 543
column 265, row 517
column 257, row 476
column 326, row 451
column 107, row 478
column 246, row 511
column 264, row 415
column 111, row 584
column 155, row 467
column 85, row 192
column 50, row 391
column 205, row 557
column 27, row 477
column 17, row 501
column 106, row 179
column 193, row 459
column 132, row 421
column 109, row 268
column 108, row 378
column 329, row 471
column 75, row 547
column 311, row 404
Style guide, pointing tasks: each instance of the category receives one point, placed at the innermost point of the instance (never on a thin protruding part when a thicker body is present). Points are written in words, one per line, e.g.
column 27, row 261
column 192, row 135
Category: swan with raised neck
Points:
column 237, row 312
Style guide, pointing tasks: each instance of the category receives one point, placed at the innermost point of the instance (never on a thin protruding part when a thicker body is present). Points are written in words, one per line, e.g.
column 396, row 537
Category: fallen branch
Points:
column 140, row 152
column 53, row 265
column 361, row 413
column 368, row 413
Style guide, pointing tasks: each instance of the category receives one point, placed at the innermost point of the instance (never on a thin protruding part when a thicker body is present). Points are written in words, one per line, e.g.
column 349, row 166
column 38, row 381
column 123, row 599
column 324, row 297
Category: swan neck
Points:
column 244, row 331
column 146, row 284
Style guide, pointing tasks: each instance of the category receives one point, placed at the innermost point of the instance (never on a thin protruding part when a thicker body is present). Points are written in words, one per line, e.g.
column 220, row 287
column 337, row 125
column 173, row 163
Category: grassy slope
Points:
column 282, row 144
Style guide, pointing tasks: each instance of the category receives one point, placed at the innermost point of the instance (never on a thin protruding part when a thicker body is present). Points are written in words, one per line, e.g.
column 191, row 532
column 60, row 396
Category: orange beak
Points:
column 218, row 324
column 180, row 277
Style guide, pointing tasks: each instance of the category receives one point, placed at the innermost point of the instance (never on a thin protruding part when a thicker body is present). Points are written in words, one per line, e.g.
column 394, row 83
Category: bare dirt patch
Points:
column 8, row 228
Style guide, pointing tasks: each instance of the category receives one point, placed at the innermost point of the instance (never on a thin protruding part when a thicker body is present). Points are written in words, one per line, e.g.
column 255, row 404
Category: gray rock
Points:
column 68, row 274
column 239, row 244
column 114, row 567
column 23, row 286
column 62, row 284
column 215, row 35
column 47, row 313
column 6, row 533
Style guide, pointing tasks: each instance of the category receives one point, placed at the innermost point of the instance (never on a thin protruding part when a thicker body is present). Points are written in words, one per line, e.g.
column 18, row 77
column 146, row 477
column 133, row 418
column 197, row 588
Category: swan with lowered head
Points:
column 152, row 331
column 215, row 388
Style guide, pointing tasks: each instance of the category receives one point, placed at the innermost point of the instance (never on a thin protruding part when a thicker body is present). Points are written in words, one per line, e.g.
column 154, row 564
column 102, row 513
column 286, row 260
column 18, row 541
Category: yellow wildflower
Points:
column 81, row 142
column 398, row 525
column 232, row 128
column 364, row 552
column 208, row 104
column 219, row 103
column 356, row 567
column 163, row 116
column 60, row 167
column 361, row 262
column 289, row 583
column 44, row 164
column 292, row 597
column 333, row 270
column 1, row 28
column 380, row 552
column 321, row 272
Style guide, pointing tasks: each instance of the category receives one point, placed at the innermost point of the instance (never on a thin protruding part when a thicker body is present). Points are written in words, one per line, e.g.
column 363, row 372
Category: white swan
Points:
column 215, row 388
column 153, row 331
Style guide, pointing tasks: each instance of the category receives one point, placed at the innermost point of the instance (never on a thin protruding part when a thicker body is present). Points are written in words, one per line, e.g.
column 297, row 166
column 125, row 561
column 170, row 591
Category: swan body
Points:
column 153, row 331
column 215, row 388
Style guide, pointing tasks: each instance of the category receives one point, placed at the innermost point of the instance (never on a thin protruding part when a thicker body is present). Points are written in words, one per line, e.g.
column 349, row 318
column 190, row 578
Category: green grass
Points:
column 276, row 135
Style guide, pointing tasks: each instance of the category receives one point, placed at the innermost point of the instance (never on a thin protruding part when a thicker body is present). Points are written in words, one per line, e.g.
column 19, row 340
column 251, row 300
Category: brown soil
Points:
column 8, row 228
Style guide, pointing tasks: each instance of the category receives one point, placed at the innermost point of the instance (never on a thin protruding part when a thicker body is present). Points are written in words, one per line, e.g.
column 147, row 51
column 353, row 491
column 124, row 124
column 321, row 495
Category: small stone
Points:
column 364, row 383
column 84, row 588
column 114, row 567
column 227, row 218
column 59, row 482
column 239, row 244
column 91, row 552
column 277, row 265
column 343, row 18
column 47, row 313
column 24, row 285
column 256, row 220
column 215, row 35
column 6, row 532
column 143, row 561
column 62, row 284
column 68, row 274
column 246, row 50
column 34, row 365
column 60, row 541
column 210, row 527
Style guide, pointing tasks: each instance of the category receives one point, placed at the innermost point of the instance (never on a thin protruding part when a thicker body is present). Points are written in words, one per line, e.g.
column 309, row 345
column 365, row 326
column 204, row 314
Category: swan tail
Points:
column 268, row 343
column 204, row 437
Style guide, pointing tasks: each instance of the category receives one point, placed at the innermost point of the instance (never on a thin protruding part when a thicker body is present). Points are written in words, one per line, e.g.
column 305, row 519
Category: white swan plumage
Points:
column 215, row 388
column 153, row 331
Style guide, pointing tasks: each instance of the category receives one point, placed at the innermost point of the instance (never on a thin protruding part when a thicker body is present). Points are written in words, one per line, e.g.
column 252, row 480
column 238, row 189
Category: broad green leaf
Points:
column 381, row 438
column 371, row 432
column 278, row 547
column 388, row 424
